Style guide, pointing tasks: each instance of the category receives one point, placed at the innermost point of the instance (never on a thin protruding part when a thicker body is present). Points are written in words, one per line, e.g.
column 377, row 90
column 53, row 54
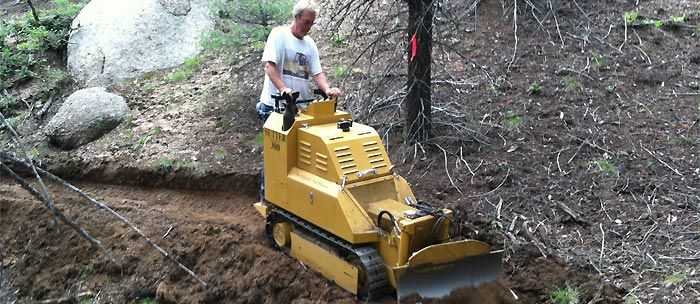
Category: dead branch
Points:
column 556, row 22
column 530, row 237
column 602, row 244
column 499, row 186
column 472, row 171
column 34, row 14
column 447, row 171
column 468, row 59
column 644, row 54
column 589, row 143
column 109, row 210
column 68, row 299
column 663, row 162
column 45, row 107
column 45, row 191
column 693, row 258
column 84, row 233
column 580, row 9
column 515, row 33
column 559, row 164
column 624, row 41
column 570, row 212
column 2, row 277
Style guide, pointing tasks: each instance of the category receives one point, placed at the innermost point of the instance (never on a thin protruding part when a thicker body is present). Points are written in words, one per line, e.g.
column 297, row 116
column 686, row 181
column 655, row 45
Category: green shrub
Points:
column 630, row 16
column 85, row 300
column 258, row 141
column 606, row 167
column 677, row 19
column 598, row 61
column 51, row 80
column 220, row 154
column 243, row 25
column 129, row 135
column 675, row 278
column 147, row 301
column 632, row 299
column 164, row 163
column 5, row 30
column 25, row 42
column 572, row 83
column 7, row 103
column 339, row 71
column 190, row 166
column 513, row 120
column 180, row 75
column 190, row 65
column 38, row 39
column 150, row 87
column 566, row 295
column 194, row 63
column 16, row 120
column 339, row 38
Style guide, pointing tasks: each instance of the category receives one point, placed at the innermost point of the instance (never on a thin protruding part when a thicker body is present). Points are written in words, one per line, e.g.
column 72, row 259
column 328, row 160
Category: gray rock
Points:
column 113, row 40
column 176, row 7
column 86, row 115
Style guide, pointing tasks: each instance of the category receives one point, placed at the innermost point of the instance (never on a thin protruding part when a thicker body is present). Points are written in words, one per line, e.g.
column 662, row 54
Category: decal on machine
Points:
column 276, row 138
column 275, row 135
column 275, row 145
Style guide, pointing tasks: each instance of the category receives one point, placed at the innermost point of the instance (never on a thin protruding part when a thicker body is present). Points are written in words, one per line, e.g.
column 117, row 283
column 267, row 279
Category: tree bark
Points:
column 418, row 98
column 31, row 7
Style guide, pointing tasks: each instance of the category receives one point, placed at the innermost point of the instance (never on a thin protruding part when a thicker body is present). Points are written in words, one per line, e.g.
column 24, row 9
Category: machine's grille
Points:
column 376, row 159
column 304, row 152
column 346, row 160
column 322, row 162
column 374, row 192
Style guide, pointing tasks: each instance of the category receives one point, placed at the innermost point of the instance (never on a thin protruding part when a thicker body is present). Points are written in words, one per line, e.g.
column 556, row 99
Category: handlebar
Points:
column 293, row 98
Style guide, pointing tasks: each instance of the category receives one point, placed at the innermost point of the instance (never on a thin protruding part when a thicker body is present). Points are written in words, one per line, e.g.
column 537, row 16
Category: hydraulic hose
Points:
column 391, row 217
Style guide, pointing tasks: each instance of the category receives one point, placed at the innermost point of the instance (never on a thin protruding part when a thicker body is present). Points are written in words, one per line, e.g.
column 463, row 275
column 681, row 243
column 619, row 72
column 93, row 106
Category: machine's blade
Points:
column 437, row 280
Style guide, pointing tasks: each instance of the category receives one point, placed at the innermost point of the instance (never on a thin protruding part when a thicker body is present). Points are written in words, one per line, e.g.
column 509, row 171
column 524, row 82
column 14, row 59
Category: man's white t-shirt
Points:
column 297, row 60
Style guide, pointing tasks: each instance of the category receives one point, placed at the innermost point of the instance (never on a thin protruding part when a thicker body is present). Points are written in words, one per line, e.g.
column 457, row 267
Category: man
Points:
column 290, row 58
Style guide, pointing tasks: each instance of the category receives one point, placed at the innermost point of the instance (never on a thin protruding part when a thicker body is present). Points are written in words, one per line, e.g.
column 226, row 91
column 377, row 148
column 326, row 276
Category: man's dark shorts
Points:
column 264, row 111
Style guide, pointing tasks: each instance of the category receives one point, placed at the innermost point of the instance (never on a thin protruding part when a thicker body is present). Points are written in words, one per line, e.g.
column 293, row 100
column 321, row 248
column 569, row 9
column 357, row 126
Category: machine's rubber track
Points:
column 377, row 279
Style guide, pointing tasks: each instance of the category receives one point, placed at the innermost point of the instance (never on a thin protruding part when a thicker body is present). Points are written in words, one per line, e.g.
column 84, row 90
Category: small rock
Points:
column 86, row 115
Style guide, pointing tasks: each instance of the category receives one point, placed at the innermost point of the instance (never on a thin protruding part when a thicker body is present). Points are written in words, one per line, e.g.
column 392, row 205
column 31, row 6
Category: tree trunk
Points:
column 31, row 7
column 418, row 100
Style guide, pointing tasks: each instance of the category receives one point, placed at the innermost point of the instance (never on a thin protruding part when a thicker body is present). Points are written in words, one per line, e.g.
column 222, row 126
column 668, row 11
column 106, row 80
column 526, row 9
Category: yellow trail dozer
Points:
column 333, row 202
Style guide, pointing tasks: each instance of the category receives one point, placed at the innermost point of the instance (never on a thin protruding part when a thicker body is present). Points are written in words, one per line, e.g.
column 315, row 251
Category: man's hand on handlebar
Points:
column 286, row 90
column 334, row 92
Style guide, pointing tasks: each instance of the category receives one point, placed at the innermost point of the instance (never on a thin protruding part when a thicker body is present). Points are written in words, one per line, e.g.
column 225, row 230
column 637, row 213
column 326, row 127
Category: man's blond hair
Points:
column 305, row 6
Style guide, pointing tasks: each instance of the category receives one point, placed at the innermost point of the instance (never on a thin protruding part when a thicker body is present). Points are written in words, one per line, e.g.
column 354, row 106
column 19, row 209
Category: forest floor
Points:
column 572, row 143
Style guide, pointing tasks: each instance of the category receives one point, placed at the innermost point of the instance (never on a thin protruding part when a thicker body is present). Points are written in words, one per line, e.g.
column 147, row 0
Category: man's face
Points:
column 303, row 23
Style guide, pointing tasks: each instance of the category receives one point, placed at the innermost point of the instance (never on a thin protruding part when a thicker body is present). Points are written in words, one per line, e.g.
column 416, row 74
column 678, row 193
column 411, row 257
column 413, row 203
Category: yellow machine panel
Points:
column 336, row 269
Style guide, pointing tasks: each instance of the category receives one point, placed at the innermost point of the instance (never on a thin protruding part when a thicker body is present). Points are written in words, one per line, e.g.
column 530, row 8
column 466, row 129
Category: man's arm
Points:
column 322, row 83
column 274, row 74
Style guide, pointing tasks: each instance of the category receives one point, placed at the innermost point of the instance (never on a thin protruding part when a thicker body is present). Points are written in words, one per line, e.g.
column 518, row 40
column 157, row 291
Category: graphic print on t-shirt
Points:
column 297, row 66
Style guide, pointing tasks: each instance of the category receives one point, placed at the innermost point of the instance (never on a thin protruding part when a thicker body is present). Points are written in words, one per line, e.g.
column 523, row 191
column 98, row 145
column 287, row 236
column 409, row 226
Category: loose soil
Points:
column 591, row 180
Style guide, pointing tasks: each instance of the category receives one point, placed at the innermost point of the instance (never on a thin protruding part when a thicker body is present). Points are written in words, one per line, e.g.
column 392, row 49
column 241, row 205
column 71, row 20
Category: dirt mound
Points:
column 488, row 293
column 219, row 236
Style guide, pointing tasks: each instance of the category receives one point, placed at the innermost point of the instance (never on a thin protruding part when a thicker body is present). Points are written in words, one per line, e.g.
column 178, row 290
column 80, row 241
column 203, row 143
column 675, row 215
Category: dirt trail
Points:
column 217, row 234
